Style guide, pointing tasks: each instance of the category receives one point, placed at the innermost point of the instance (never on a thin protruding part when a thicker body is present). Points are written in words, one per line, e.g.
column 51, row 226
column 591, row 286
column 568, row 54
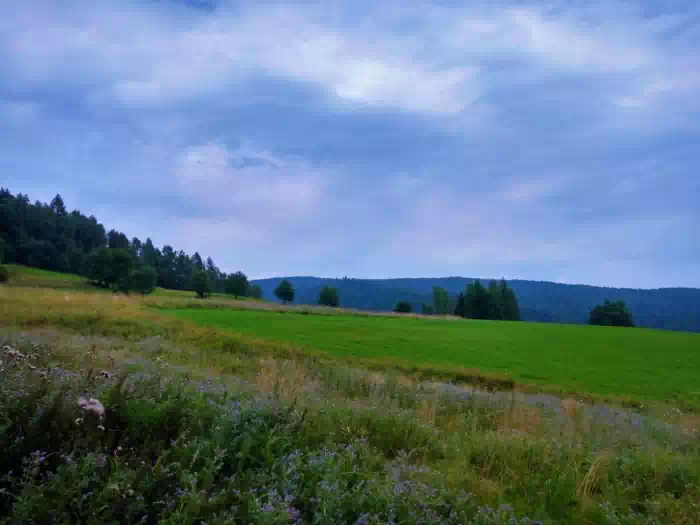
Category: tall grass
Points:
column 203, row 425
column 268, row 440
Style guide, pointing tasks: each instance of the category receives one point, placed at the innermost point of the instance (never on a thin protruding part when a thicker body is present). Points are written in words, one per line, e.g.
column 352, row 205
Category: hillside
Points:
column 665, row 308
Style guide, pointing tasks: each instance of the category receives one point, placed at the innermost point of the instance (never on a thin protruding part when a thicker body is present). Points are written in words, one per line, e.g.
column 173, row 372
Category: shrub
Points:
column 4, row 275
column 403, row 307
column 143, row 280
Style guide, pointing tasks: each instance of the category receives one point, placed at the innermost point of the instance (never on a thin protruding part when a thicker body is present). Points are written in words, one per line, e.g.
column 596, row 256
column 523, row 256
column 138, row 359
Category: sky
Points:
column 554, row 140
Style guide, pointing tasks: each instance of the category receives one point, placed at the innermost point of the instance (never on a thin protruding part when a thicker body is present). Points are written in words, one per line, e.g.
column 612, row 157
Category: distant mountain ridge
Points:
column 542, row 301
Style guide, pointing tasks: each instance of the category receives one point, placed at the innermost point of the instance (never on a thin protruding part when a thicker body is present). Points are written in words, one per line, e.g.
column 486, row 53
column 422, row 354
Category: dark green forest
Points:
column 48, row 236
column 548, row 302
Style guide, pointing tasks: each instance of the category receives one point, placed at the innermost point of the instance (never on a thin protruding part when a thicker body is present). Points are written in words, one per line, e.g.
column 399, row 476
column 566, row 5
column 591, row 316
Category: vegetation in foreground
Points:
column 105, row 430
column 206, row 425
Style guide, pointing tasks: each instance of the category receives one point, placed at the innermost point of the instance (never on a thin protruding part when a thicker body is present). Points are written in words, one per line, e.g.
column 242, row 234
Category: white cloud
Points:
column 442, row 67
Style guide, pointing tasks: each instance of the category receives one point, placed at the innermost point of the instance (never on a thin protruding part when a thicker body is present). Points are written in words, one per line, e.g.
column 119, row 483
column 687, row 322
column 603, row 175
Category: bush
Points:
column 143, row 280
column 611, row 314
column 4, row 275
column 404, row 307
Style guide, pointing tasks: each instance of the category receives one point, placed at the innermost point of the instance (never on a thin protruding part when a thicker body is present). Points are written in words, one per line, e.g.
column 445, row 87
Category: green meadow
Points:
column 646, row 364
column 169, row 409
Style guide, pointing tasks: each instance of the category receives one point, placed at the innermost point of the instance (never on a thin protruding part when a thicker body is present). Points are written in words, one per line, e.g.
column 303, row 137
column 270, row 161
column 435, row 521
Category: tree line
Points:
column 50, row 237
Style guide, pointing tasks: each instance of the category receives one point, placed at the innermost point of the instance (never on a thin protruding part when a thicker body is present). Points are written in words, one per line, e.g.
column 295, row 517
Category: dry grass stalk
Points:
column 591, row 481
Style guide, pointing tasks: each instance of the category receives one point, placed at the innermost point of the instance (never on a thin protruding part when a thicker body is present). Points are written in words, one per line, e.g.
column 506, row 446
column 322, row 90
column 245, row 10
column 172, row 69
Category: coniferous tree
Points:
column 440, row 300
column 496, row 306
column 197, row 262
column 460, row 309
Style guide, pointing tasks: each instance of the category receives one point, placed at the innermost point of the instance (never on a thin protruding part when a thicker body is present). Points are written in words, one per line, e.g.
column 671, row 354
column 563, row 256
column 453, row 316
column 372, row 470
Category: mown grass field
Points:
column 647, row 364
column 236, row 420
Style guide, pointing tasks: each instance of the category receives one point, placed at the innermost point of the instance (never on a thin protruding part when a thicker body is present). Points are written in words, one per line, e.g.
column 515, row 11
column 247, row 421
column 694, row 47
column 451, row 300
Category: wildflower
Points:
column 362, row 520
column 92, row 407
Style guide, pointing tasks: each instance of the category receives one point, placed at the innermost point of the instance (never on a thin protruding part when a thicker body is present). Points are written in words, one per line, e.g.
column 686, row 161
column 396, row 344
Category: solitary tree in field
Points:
column 440, row 300
column 237, row 284
column 403, row 307
column 255, row 291
column 329, row 297
column 611, row 314
column 200, row 282
column 285, row 292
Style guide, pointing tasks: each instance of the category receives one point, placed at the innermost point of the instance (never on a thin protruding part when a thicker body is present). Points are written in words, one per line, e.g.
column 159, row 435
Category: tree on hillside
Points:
column 476, row 301
column 237, row 285
column 510, row 310
column 117, row 240
column 57, row 206
column 611, row 314
column 212, row 270
column 440, row 300
column 197, row 262
column 329, row 297
column 99, row 267
column 460, row 309
column 497, row 302
column 255, row 291
column 200, row 283
column 285, row 292
column 120, row 269
column 403, row 307
column 143, row 280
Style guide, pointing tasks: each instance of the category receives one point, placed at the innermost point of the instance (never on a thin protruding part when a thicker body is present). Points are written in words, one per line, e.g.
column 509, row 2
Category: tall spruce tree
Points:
column 440, row 300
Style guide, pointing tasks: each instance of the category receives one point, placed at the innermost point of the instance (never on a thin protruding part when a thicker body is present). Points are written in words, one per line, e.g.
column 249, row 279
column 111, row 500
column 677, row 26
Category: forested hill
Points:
column 667, row 308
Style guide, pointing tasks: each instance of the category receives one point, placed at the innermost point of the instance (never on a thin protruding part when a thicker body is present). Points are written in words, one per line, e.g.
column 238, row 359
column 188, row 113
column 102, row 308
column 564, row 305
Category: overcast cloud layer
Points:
column 547, row 140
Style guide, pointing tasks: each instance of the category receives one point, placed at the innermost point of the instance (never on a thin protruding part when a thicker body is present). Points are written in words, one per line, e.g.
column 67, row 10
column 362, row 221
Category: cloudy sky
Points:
column 554, row 140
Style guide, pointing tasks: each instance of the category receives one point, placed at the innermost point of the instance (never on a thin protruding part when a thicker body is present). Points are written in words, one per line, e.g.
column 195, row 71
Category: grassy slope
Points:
column 25, row 276
column 605, row 362
column 210, row 429
column 36, row 278
column 610, row 361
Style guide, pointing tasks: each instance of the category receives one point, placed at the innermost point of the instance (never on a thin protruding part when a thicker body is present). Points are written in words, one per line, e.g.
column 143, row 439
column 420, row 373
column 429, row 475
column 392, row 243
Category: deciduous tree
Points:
column 285, row 292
